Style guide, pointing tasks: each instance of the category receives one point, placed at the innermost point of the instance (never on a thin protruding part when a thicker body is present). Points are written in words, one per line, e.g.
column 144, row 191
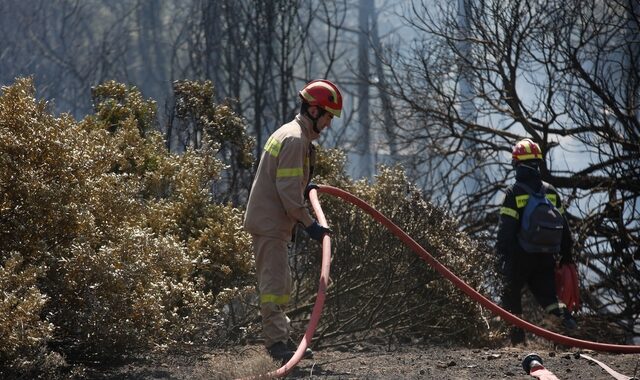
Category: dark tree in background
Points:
column 566, row 75
column 67, row 45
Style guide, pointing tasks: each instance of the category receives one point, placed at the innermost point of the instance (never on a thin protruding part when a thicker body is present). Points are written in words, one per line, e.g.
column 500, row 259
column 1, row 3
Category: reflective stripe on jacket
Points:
column 521, row 202
column 276, row 201
column 511, row 211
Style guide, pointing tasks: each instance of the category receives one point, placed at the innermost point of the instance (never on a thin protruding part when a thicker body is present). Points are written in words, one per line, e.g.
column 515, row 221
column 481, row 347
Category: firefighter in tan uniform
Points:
column 276, row 204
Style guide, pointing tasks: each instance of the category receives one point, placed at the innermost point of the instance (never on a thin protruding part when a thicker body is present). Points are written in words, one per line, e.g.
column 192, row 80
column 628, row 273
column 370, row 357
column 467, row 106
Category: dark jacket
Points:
column 511, row 212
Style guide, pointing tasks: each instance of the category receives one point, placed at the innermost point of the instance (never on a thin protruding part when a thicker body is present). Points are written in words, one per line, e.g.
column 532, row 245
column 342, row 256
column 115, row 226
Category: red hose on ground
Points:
column 558, row 338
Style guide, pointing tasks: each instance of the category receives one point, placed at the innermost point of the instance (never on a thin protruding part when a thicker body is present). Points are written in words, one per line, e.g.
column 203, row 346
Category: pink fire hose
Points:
column 558, row 338
column 322, row 288
column 474, row 294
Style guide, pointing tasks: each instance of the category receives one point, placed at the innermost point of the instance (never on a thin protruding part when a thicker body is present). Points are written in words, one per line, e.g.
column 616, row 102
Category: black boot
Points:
column 280, row 352
column 566, row 319
column 568, row 322
column 308, row 354
column 517, row 336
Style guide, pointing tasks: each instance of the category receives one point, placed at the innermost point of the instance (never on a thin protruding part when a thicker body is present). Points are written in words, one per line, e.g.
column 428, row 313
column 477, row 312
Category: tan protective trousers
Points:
column 274, row 287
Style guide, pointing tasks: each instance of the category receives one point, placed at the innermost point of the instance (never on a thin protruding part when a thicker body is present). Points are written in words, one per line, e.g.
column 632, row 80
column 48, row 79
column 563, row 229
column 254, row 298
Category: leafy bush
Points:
column 109, row 243
column 197, row 114
column 22, row 331
column 121, row 297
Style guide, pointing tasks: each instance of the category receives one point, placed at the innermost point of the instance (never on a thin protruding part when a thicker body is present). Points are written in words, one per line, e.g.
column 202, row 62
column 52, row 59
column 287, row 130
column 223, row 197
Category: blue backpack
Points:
column 541, row 224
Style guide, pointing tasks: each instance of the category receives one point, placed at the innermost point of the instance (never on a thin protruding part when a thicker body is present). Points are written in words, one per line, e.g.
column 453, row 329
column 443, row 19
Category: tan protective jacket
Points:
column 276, row 201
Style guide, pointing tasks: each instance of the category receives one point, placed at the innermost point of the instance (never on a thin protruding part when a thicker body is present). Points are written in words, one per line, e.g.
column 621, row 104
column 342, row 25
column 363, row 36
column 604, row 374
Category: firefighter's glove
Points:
column 316, row 231
column 566, row 259
column 310, row 187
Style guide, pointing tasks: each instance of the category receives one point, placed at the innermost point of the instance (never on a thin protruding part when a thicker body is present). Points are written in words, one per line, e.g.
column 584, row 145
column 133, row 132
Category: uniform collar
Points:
column 307, row 127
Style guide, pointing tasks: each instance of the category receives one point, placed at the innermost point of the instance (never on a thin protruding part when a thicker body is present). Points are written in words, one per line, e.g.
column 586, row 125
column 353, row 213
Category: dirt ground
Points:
column 375, row 362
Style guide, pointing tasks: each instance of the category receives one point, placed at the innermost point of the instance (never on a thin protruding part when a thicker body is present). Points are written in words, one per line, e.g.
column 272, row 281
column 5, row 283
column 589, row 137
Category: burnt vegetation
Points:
column 120, row 213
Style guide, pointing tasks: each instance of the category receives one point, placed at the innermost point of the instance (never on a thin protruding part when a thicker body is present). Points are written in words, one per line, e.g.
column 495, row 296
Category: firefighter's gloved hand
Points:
column 310, row 186
column 316, row 231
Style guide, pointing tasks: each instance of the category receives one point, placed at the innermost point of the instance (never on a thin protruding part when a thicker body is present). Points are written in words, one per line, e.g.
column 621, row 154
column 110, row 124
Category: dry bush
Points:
column 37, row 216
column 196, row 109
column 22, row 331
column 197, row 114
column 109, row 243
column 381, row 289
column 129, row 294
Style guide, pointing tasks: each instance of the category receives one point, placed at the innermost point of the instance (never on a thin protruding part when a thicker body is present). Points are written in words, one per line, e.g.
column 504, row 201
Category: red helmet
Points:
column 324, row 94
column 526, row 150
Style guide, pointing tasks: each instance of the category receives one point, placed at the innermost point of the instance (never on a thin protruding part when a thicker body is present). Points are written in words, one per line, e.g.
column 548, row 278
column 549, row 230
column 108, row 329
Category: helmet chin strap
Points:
column 532, row 165
column 314, row 126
